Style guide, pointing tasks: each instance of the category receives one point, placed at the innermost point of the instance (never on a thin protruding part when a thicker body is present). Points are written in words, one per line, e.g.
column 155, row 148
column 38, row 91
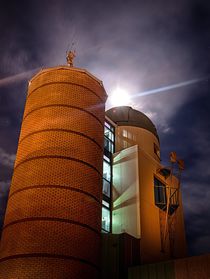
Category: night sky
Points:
column 133, row 45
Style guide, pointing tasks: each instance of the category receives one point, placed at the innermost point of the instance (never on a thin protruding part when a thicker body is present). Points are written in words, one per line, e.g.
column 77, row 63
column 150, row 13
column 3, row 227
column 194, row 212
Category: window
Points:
column 125, row 133
column 107, row 177
column 109, row 134
column 109, row 137
column 105, row 219
column 107, row 158
column 107, row 125
column 106, row 171
column 105, row 203
column 106, row 188
column 160, row 193
column 108, row 145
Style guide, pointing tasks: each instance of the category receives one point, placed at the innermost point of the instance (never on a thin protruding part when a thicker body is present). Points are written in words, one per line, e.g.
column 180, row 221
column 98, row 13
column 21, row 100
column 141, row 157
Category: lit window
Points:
column 109, row 137
column 107, row 176
column 106, row 171
column 108, row 145
column 109, row 126
column 109, row 134
column 106, row 188
column 125, row 133
column 105, row 219
column 106, row 158
column 105, row 203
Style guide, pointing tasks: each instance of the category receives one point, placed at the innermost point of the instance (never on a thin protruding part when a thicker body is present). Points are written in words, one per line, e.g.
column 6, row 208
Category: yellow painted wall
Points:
column 127, row 136
column 150, row 225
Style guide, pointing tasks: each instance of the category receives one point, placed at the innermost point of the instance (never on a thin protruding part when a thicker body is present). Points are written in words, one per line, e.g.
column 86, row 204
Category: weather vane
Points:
column 70, row 55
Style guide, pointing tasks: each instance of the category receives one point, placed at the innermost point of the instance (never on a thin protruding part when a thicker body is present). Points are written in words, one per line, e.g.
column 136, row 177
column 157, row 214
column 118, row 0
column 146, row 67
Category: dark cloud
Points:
column 4, row 192
column 135, row 45
column 190, row 138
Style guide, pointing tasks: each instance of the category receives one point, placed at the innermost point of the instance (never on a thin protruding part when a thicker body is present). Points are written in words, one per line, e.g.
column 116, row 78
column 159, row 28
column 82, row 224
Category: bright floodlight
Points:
column 119, row 97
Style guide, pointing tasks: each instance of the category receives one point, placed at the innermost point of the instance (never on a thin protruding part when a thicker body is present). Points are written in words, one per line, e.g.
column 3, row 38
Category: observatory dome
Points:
column 127, row 116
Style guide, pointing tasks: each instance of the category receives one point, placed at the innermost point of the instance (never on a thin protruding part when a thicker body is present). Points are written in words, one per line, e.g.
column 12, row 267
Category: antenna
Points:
column 172, row 200
column 68, row 49
column 70, row 55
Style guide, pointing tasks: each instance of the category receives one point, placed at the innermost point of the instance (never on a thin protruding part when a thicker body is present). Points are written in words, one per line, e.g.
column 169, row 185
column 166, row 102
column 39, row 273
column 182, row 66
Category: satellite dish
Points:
column 164, row 171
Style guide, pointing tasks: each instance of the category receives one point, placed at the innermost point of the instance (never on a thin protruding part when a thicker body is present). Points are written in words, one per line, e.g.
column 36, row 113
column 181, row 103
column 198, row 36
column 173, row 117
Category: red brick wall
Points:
column 53, row 218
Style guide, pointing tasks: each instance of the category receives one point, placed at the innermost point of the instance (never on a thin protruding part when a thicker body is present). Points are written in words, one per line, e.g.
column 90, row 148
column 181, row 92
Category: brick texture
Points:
column 53, row 218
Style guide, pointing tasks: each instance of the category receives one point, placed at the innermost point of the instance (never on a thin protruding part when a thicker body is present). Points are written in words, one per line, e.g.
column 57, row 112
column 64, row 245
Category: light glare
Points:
column 119, row 97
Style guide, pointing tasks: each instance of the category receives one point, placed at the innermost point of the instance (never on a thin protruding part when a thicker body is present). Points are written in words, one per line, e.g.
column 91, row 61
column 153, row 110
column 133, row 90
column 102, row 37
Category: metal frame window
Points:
column 163, row 194
column 160, row 193
column 106, row 188
column 107, row 177
column 109, row 138
column 106, row 220
column 106, row 170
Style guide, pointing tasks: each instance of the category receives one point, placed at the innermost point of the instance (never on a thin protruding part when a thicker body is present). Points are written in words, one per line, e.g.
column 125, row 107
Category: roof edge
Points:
column 127, row 116
column 64, row 67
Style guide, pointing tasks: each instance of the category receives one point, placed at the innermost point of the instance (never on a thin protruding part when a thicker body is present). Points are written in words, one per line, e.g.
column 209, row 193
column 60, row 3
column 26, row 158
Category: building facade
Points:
column 75, row 177
column 145, row 197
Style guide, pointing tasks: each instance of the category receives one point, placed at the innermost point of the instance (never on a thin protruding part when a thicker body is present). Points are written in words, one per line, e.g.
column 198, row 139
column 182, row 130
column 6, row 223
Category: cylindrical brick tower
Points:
column 53, row 218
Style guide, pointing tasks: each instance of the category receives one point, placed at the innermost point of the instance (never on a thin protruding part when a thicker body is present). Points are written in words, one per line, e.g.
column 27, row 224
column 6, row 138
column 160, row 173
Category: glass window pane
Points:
column 157, row 182
column 156, row 194
column 109, row 134
column 108, row 145
column 106, row 171
column 106, row 188
column 106, row 158
column 109, row 126
column 160, row 192
column 105, row 203
column 125, row 133
column 105, row 219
